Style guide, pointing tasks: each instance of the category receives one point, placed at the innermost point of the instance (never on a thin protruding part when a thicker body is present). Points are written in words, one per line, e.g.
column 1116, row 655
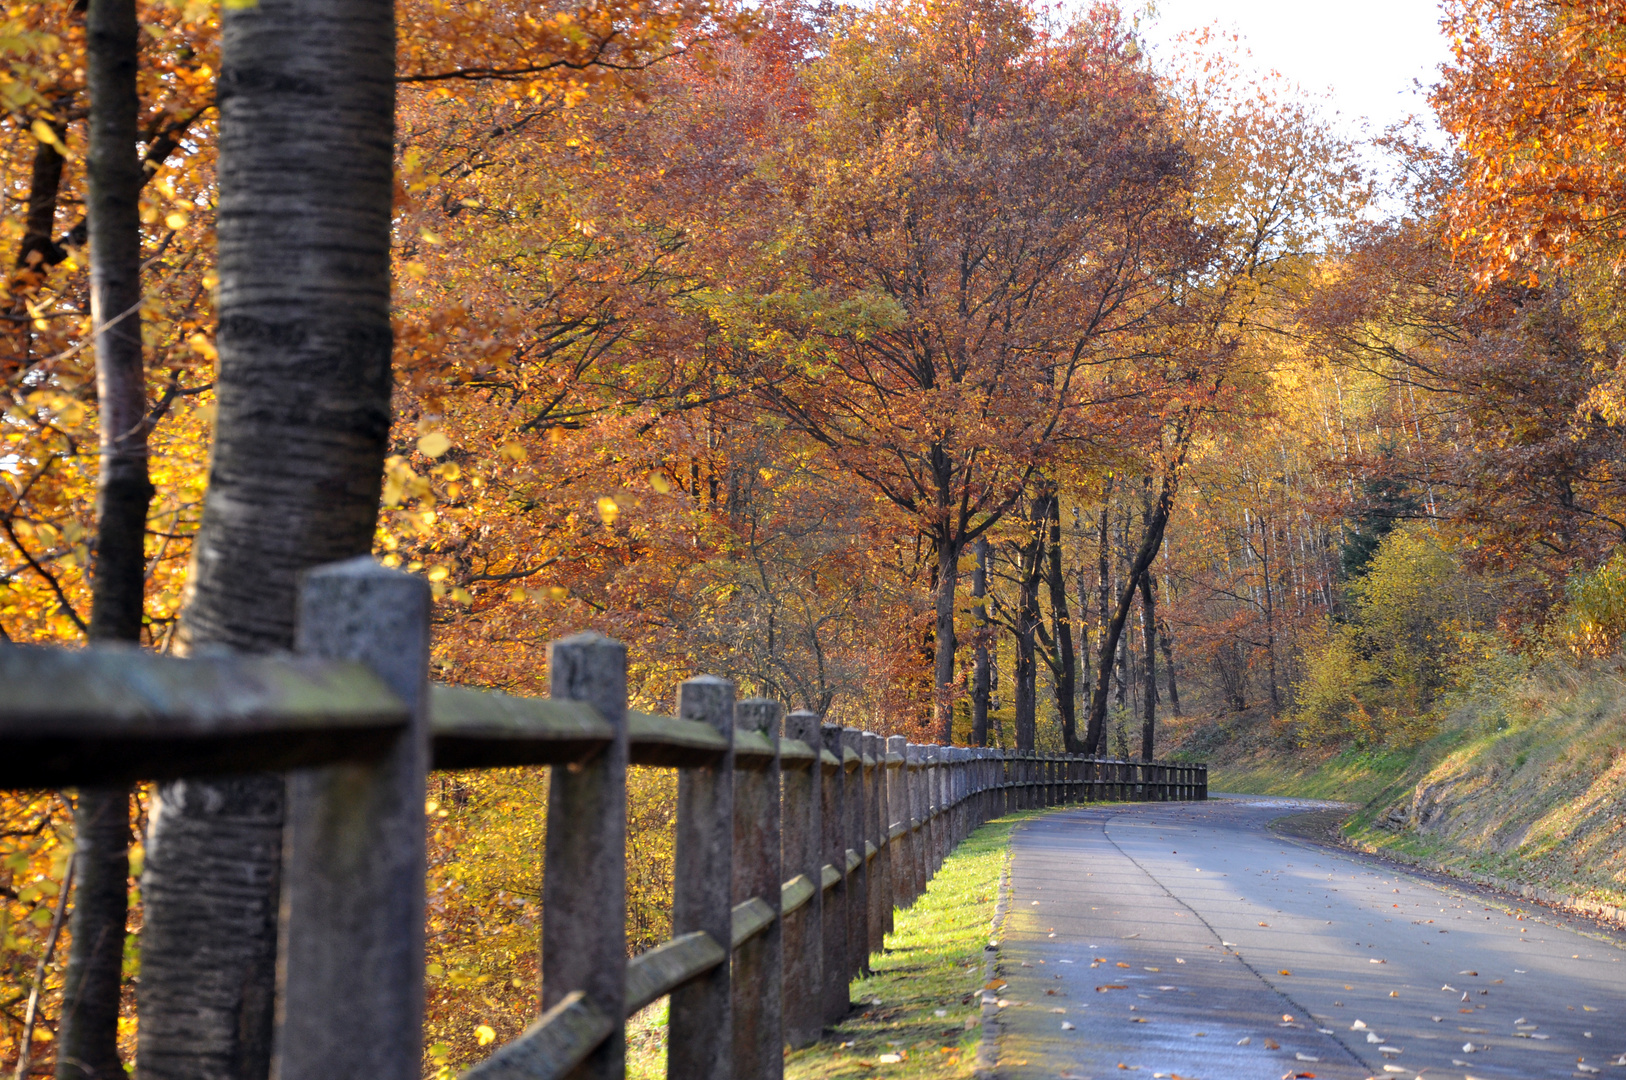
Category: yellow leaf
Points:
column 434, row 444
column 608, row 510
column 439, row 573
column 175, row 221
column 513, row 451
column 47, row 135
column 485, row 1035
column 659, row 482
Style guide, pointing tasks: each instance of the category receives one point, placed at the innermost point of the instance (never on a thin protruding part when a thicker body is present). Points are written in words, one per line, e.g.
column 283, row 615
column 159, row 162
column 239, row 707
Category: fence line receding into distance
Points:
column 796, row 840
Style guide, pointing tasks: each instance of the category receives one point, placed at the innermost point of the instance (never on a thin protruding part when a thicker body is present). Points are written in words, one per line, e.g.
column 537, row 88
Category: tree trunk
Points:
column 88, row 1034
column 1030, row 566
column 1112, row 632
column 45, row 184
column 306, row 98
column 1148, row 626
column 1168, row 663
column 1062, row 633
column 981, row 684
column 948, row 580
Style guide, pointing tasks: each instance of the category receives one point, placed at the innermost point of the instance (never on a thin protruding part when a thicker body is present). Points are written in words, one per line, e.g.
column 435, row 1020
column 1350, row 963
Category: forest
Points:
column 950, row 368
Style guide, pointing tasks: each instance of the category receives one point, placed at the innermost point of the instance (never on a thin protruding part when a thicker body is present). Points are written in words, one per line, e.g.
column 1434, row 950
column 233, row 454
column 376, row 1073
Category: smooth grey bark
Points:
column 306, row 98
column 948, row 545
column 1063, row 662
column 1030, row 568
column 1148, row 626
column 981, row 683
column 87, row 1045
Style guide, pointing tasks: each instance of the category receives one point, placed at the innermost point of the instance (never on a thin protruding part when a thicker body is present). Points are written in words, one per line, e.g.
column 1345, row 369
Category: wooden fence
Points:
column 795, row 842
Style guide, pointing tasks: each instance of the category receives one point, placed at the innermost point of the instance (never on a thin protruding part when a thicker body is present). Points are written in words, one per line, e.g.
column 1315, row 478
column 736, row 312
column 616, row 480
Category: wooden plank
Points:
column 672, row 742
column 584, row 875
column 559, row 1041
column 480, row 729
column 111, row 714
column 795, row 754
column 700, row 1017
column 758, row 968
column 753, row 750
column 656, row 972
column 750, row 918
column 801, row 844
column 794, row 893
column 350, row 943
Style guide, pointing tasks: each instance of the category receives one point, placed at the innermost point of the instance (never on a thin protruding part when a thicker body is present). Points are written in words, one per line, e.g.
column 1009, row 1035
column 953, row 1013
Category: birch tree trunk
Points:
column 306, row 98
column 1066, row 666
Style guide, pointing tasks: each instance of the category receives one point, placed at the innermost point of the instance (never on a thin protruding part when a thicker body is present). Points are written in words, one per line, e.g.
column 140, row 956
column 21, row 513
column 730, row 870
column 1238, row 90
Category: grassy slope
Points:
column 1526, row 785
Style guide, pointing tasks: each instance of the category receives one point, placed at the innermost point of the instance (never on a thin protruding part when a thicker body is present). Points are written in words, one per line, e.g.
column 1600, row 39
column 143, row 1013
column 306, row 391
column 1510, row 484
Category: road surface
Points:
column 1189, row 940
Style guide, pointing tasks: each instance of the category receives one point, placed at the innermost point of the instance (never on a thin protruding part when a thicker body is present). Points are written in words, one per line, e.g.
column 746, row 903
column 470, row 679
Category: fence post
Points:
column 759, row 964
column 351, row 933
column 700, row 1036
column 803, row 845
column 852, row 741
column 875, row 837
column 897, row 806
column 584, row 876
column 915, row 757
column 836, row 999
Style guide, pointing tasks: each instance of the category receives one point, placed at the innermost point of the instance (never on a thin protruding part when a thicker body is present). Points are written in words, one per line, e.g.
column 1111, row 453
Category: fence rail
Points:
column 796, row 841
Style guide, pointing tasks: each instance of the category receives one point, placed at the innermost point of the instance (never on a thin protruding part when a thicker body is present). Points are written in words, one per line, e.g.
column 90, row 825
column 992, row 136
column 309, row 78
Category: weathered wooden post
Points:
column 875, row 837
column 836, row 1000
column 914, row 779
column 852, row 744
column 350, row 986
column 758, row 976
column 896, row 827
column 700, row 1037
column 803, row 844
column 584, row 876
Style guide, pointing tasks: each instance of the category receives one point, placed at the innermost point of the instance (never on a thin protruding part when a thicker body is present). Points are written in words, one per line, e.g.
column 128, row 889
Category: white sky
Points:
column 1366, row 53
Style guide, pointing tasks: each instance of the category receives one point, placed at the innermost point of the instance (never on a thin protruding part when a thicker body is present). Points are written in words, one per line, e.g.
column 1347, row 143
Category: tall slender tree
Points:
column 87, row 1044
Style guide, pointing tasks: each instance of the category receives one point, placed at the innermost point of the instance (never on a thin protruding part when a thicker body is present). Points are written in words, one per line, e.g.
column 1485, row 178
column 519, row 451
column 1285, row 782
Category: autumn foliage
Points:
column 947, row 367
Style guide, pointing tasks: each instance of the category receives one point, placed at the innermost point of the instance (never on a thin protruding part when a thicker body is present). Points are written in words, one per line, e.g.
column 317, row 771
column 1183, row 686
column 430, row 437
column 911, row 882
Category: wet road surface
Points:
column 1189, row 940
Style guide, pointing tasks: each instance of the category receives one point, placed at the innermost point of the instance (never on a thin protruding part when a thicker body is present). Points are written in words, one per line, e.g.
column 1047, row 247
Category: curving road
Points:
column 1190, row 940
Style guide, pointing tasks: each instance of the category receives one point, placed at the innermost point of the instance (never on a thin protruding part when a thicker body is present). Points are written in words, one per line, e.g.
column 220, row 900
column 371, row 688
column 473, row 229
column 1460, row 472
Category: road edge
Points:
column 1611, row 920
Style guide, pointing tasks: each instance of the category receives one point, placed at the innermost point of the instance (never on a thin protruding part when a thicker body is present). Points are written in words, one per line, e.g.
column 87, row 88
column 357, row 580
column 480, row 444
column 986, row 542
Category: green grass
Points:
column 1352, row 776
column 934, row 961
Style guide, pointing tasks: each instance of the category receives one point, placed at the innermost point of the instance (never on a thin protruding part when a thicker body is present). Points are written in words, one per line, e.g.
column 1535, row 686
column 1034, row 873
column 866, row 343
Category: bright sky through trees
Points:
column 1368, row 54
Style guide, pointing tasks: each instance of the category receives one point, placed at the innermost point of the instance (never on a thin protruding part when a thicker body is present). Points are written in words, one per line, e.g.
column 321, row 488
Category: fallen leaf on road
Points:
column 1359, row 1025
column 1065, row 1026
column 1122, row 964
column 1272, row 1044
column 1305, row 1057
column 1110, row 986
column 1284, row 971
column 1245, row 1040
column 1265, row 924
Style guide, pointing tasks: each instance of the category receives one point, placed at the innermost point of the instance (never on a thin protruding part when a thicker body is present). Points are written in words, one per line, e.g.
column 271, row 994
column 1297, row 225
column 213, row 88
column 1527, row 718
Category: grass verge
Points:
column 922, row 1002
column 922, row 1017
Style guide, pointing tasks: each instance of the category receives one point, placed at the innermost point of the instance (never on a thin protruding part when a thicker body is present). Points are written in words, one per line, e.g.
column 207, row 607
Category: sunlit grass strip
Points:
column 922, row 1008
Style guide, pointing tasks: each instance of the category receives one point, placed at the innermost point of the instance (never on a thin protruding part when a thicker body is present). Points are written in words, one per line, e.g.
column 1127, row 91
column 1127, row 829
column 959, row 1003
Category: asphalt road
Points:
column 1190, row 940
